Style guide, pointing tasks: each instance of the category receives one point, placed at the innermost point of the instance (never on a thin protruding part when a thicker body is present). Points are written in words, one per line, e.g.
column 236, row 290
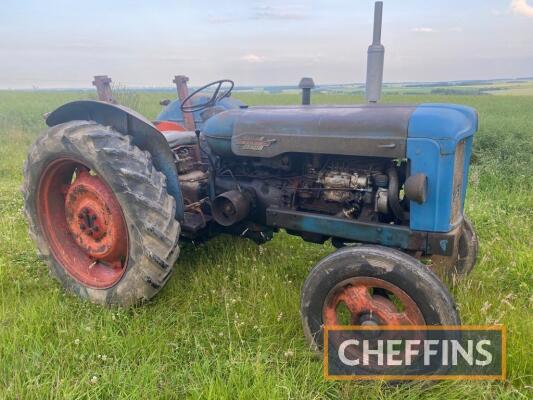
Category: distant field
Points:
column 227, row 325
column 460, row 88
column 513, row 88
column 523, row 89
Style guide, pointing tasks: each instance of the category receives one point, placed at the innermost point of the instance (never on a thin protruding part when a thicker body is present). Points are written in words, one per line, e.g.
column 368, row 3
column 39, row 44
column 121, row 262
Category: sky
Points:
column 64, row 43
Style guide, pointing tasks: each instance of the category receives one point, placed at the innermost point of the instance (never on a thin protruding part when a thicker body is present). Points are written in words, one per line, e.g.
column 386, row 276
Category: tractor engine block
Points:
column 340, row 186
column 348, row 187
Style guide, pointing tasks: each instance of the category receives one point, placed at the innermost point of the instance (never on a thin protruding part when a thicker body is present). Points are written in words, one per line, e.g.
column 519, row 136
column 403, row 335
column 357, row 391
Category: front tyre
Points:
column 372, row 285
column 467, row 251
column 100, row 214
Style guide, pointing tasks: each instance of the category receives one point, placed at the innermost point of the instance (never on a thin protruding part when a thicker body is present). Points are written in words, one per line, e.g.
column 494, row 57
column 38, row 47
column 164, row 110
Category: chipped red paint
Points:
column 83, row 223
column 371, row 308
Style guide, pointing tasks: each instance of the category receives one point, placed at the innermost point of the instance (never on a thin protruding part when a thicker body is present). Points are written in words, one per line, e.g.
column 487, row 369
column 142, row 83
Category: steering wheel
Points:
column 215, row 98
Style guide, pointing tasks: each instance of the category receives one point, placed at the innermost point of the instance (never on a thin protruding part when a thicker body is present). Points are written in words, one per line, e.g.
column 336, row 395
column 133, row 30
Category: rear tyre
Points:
column 378, row 286
column 100, row 214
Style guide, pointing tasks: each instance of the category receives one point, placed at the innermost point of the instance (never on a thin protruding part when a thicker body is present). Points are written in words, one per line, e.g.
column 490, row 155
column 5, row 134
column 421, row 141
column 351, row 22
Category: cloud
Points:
column 172, row 56
column 522, row 7
column 285, row 12
column 423, row 30
column 220, row 19
column 253, row 58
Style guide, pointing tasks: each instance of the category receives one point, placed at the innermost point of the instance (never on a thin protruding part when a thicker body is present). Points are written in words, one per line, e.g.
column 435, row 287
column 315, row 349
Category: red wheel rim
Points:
column 83, row 223
column 371, row 301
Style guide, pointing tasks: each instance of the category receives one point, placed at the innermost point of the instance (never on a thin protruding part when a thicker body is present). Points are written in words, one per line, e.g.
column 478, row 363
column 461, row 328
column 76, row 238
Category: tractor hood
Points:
column 372, row 130
column 362, row 130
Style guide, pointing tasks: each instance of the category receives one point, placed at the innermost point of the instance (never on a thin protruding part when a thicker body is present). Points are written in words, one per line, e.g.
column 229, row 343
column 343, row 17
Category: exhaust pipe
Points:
column 230, row 207
column 376, row 55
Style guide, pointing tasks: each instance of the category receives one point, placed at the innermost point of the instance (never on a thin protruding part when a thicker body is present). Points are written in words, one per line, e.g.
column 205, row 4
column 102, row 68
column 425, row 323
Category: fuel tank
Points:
column 361, row 130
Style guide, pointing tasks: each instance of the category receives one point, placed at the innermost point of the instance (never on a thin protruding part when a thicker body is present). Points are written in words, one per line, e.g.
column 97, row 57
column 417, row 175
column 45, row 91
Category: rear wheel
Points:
column 100, row 214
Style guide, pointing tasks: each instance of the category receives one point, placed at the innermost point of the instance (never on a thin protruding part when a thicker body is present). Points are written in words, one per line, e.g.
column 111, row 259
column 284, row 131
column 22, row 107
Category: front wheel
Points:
column 372, row 285
column 461, row 265
column 100, row 214
column 467, row 251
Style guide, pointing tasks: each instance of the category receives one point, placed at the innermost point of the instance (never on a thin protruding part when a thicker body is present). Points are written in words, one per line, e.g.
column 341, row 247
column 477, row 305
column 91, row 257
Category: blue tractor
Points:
column 109, row 196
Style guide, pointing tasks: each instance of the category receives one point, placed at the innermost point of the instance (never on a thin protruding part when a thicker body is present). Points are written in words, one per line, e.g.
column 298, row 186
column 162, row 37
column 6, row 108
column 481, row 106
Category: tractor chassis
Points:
column 396, row 236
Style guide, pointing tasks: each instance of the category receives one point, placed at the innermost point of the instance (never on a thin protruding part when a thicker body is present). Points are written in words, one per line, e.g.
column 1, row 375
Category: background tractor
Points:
column 109, row 195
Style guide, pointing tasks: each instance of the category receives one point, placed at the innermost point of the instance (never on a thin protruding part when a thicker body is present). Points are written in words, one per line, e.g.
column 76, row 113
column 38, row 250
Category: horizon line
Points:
column 122, row 86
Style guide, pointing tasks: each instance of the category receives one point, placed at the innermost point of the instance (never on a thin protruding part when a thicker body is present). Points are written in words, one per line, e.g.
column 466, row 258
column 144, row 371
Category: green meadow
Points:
column 227, row 325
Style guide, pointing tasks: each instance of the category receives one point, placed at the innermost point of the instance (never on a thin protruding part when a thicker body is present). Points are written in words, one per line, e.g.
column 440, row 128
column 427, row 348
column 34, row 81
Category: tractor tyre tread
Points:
column 417, row 280
column 140, row 189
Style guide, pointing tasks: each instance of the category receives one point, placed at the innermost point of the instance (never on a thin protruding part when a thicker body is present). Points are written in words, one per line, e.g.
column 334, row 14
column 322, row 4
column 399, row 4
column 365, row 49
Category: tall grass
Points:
column 227, row 325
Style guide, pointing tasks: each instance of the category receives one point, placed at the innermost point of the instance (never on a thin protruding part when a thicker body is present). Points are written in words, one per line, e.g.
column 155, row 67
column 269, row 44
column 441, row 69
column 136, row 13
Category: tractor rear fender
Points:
column 145, row 136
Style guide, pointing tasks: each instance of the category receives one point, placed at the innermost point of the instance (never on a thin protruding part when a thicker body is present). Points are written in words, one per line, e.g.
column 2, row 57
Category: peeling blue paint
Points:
column 434, row 132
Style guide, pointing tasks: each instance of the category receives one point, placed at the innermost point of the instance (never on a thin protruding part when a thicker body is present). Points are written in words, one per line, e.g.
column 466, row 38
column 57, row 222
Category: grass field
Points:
column 227, row 325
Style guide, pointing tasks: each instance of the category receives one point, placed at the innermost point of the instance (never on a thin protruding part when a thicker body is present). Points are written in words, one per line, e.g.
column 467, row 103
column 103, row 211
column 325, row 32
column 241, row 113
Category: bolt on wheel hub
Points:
column 89, row 225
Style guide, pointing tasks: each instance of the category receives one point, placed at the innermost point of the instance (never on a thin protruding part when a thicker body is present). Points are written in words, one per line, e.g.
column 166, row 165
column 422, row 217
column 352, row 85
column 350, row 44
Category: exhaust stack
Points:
column 376, row 55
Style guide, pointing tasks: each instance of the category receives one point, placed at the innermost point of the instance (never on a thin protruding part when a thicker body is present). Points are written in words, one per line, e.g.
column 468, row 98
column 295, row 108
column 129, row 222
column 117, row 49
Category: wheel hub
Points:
column 369, row 320
column 94, row 217
column 372, row 302
column 90, row 224
column 83, row 223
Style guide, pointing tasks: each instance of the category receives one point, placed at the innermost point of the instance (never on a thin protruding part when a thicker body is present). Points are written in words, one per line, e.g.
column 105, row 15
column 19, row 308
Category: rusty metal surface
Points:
column 183, row 93
column 365, row 232
column 94, row 218
column 444, row 244
column 371, row 309
column 103, row 88
column 434, row 243
column 83, row 223
column 458, row 174
column 193, row 186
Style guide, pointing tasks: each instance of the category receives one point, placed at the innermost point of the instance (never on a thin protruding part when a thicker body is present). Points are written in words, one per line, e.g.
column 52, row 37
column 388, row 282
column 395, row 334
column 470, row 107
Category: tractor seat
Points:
column 180, row 138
